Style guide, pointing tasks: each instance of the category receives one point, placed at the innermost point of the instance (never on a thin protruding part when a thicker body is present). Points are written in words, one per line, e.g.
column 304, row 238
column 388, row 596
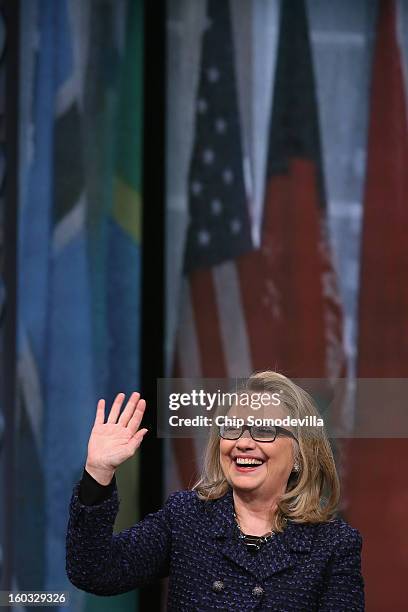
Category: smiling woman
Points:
column 258, row 531
column 298, row 479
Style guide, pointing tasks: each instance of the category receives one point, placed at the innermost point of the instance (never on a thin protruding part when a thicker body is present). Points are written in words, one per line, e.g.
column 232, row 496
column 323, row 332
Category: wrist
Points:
column 102, row 475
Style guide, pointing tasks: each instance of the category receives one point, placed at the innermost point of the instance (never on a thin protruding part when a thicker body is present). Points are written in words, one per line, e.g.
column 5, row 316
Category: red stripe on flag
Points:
column 184, row 448
column 258, row 311
column 186, row 461
column 205, row 309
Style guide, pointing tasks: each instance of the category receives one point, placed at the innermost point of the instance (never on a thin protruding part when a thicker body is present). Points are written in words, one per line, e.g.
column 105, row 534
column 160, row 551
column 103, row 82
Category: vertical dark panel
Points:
column 153, row 298
column 9, row 199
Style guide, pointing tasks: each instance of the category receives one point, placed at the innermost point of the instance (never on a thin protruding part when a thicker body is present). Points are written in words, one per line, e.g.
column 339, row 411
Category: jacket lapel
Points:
column 279, row 553
column 285, row 549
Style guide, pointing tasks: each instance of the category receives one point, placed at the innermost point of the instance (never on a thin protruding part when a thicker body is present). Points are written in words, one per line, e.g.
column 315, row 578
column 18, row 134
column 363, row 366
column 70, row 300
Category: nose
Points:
column 245, row 441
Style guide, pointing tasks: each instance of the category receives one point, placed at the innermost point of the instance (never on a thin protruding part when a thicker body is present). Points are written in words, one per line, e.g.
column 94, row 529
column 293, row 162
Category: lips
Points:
column 247, row 464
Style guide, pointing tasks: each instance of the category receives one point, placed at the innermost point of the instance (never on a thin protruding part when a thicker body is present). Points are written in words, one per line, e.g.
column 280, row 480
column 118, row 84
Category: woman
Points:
column 257, row 532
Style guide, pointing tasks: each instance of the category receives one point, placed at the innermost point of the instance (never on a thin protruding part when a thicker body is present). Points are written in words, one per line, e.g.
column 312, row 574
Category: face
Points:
column 266, row 476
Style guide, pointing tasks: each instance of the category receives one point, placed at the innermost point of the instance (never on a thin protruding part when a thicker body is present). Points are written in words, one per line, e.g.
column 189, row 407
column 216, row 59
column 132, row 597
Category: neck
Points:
column 255, row 514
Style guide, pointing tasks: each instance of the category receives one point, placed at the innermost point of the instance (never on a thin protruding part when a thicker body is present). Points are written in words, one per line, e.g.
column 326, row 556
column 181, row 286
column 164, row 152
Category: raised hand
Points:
column 111, row 443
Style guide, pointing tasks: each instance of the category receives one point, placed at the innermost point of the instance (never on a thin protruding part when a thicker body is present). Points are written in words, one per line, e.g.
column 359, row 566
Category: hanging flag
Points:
column 274, row 307
column 69, row 389
column 123, row 265
column 113, row 136
column 96, row 235
column 79, row 269
column 374, row 479
column 288, row 286
column 35, row 205
column 219, row 229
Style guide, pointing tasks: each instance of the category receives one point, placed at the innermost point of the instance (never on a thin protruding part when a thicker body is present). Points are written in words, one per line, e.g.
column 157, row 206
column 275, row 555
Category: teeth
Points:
column 247, row 461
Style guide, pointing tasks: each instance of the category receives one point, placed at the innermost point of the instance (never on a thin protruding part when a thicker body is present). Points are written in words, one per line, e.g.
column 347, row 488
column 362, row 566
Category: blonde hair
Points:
column 312, row 493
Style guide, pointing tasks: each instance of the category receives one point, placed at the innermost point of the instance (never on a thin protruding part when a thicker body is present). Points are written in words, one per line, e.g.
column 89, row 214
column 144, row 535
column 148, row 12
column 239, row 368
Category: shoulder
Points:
column 183, row 501
column 186, row 507
column 335, row 535
column 343, row 544
column 182, row 498
column 338, row 539
column 338, row 532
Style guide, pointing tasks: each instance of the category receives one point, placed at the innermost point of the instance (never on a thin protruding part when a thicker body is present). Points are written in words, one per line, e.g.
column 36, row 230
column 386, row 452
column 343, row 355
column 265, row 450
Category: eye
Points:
column 264, row 432
column 230, row 432
column 265, row 429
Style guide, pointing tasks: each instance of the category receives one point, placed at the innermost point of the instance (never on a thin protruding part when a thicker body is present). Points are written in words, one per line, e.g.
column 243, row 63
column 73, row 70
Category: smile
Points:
column 245, row 464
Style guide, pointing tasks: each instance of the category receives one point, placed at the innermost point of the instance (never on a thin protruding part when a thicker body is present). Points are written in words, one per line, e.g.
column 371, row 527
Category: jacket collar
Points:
column 282, row 551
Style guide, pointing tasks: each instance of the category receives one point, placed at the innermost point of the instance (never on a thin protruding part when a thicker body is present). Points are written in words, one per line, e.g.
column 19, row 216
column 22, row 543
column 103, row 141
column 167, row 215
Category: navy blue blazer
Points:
column 305, row 568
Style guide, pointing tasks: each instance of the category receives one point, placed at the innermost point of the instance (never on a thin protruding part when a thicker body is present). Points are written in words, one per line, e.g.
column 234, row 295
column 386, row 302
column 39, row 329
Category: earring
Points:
column 296, row 467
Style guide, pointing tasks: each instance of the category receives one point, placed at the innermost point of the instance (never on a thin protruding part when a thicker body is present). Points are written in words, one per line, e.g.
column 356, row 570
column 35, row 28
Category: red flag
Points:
column 377, row 486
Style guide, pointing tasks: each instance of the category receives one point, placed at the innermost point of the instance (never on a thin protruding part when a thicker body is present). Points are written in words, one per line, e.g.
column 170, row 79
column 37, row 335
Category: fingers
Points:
column 116, row 406
column 129, row 409
column 137, row 439
column 134, row 422
column 100, row 413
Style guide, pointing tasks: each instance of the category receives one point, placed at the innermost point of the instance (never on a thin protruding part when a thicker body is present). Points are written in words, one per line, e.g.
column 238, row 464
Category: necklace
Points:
column 254, row 543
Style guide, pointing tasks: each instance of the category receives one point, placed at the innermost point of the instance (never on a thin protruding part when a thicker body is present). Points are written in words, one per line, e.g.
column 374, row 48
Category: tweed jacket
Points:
column 305, row 568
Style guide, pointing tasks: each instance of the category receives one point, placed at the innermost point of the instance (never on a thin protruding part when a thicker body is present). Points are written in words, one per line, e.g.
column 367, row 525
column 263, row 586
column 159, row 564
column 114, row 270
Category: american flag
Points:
column 246, row 308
